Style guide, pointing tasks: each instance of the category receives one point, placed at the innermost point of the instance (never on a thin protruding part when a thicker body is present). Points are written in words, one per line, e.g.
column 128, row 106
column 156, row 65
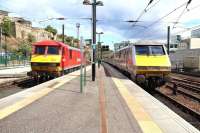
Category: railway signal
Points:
column 105, row 48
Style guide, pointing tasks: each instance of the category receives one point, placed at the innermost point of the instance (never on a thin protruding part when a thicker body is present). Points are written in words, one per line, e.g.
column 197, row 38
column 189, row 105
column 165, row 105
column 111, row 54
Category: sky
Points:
column 111, row 17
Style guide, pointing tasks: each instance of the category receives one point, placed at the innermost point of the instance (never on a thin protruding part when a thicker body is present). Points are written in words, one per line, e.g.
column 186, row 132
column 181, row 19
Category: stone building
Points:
column 21, row 29
column 2, row 15
column 41, row 34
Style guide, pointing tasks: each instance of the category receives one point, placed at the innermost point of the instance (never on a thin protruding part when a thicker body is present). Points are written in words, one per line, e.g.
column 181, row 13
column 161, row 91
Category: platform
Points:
column 111, row 104
column 12, row 73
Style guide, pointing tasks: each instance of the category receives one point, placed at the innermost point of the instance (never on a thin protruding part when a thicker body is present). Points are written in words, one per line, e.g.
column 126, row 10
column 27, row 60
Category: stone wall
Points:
column 41, row 34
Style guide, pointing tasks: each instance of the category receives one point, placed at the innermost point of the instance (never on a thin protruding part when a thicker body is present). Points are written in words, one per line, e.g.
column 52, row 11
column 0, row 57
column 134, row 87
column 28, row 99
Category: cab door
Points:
column 64, row 58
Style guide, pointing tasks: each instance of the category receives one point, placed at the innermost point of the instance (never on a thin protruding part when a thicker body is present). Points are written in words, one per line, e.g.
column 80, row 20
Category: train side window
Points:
column 70, row 54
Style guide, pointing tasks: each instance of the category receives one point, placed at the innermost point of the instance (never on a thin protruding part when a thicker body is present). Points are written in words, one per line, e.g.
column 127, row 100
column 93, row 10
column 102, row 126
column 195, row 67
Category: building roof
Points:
column 21, row 20
column 4, row 12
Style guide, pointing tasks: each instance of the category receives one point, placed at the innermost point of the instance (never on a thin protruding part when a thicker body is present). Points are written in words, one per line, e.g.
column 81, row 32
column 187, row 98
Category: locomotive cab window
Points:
column 149, row 50
column 157, row 50
column 53, row 50
column 142, row 50
column 40, row 50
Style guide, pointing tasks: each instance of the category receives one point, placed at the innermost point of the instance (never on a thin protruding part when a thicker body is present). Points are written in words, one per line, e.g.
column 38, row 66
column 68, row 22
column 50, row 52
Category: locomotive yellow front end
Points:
column 152, row 64
column 45, row 61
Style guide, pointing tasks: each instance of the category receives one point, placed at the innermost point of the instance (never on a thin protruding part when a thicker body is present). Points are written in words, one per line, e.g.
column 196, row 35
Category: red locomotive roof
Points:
column 50, row 43
column 53, row 43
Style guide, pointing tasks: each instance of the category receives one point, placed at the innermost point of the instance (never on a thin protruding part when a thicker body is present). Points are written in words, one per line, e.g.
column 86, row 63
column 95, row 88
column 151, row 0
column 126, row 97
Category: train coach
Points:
column 146, row 62
column 51, row 59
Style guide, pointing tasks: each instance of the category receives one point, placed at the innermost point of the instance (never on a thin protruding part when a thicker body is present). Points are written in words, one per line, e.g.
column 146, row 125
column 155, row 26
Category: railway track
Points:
column 184, row 107
column 187, row 86
column 185, row 90
column 11, row 87
column 187, row 97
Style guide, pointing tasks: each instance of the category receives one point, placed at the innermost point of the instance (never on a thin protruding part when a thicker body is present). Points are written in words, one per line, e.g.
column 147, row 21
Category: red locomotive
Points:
column 52, row 59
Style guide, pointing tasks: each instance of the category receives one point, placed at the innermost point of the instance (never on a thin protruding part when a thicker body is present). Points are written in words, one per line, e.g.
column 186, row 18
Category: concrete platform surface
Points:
column 15, row 70
column 111, row 104
column 151, row 114
column 13, row 73
column 58, row 107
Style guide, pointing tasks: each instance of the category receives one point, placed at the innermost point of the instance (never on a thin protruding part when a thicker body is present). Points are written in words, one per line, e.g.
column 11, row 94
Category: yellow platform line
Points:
column 4, row 112
column 144, row 120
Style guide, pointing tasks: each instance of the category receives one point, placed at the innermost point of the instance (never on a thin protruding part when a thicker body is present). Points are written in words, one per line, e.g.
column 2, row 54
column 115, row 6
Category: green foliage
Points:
column 76, row 40
column 6, row 26
column 24, row 48
column 69, row 40
column 50, row 29
column 31, row 38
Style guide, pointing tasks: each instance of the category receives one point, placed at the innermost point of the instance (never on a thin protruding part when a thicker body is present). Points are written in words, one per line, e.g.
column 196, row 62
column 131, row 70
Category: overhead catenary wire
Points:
column 185, row 9
column 192, row 8
column 153, row 5
column 143, row 12
column 166, row 15
column 192, row 28
column 163, row 17
column 178, row 18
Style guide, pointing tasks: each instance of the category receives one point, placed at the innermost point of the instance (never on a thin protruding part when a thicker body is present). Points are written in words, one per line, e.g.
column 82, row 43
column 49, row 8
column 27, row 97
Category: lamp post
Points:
column 99, row 48
column 78, row 32
column 168, row 39
column 93, row 4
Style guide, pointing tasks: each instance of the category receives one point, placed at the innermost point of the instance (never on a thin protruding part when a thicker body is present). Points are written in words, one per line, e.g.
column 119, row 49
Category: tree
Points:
column 69, row 40
column 31, row 38
column 6, row 26
column 50, row 29
column 24, row 48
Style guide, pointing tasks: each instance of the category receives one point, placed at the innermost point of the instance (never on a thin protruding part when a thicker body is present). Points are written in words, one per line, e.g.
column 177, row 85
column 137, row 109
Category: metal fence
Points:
column 12, row 60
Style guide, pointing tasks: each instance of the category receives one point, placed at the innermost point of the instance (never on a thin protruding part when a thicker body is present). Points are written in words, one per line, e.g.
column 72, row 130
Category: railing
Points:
column 13, row 60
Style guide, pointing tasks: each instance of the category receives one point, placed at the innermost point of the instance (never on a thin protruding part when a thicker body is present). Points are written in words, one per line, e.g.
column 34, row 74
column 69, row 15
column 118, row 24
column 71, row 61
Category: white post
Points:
column 81, row 70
